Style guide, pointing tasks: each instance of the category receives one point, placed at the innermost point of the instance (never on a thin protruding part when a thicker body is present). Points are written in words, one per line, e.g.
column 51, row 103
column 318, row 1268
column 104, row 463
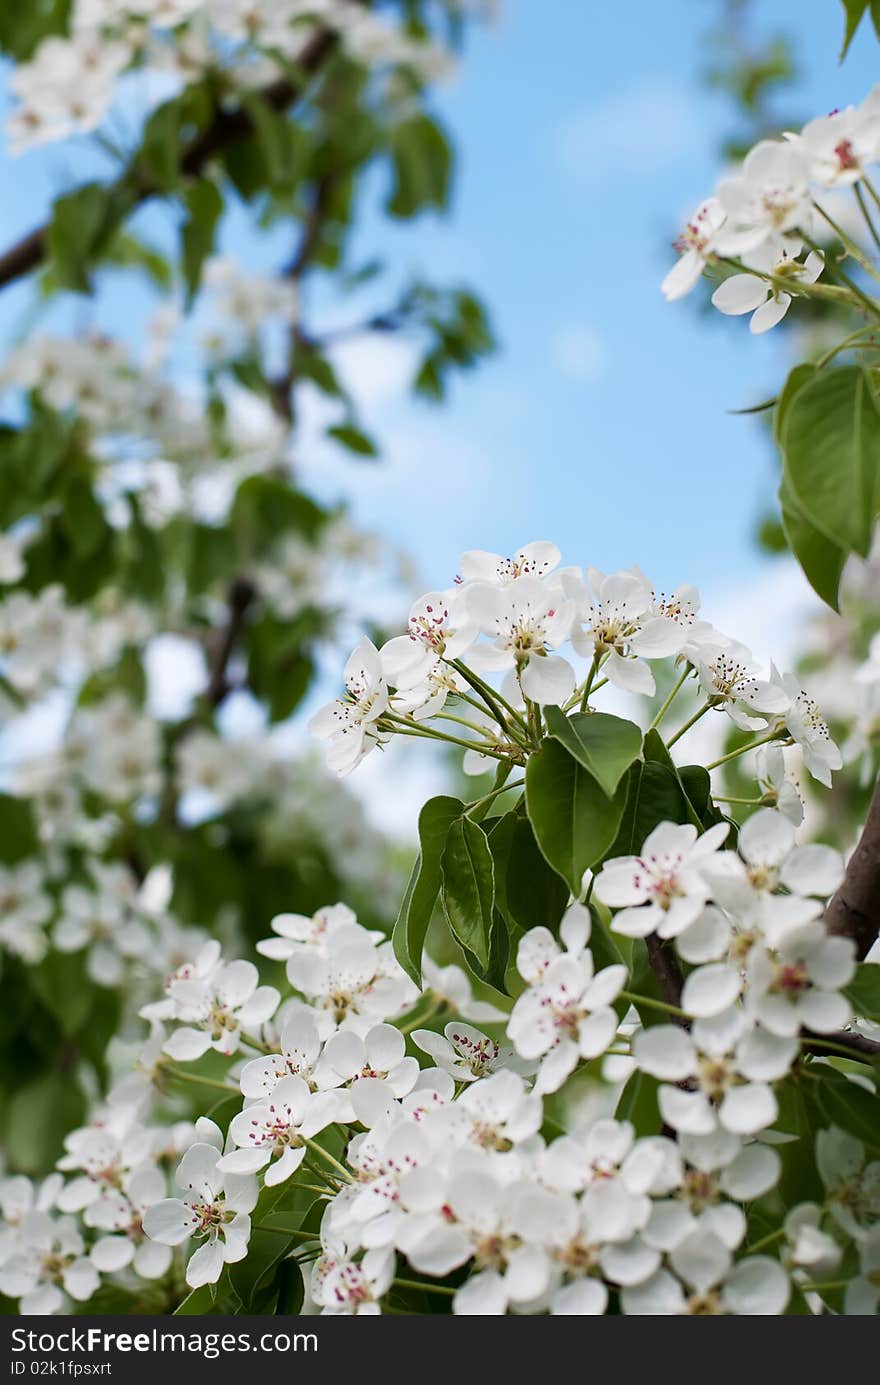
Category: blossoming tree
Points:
column 647, row 1084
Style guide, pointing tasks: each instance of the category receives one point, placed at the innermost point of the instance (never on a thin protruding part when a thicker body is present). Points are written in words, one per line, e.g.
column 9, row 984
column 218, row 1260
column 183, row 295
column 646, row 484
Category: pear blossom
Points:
column 49, row 1266
column 696, row 246
column 777, row 784
column 769, row 198
column 751, row 293
column 270, row 1135
column 839, row 148
column 731, row 679
column 377, row 1060
column 441, row 626
column 525, row 620
column 533, row 560
column 707, row 1282
column 863, row 1293
column 462, row 1051
column 566, row 1015
column 300, row 1050
column 215, row 1207
column 852, row 1182
column 723, row 1071
column 357, row 984
column 213, row 1012
column 342, row 1286
column 25, row 907
column 120, row 1215
column 798, row 982
column 808, row 728
column 622, row 621
column 350, row 723
column 664, row 889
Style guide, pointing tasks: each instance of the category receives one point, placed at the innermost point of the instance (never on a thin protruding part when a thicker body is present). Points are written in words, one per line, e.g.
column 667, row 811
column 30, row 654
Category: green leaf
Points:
column 574, row 820
column 468, row 887
column 422, row 162
column 654, row 795
column 204, row 206
column 821, row 559
column 39, row 1116
column 831, row 455
column 423, row 889
column 638, row 1104
column 603, row 744
column 849, row 1106
column 355, row 440
column 82, row 223
column 160, row 145
column 18, row 831
column 863, row 991
column 199, row 1301
column 536, row 897
column 83, row 517
column 853, row 12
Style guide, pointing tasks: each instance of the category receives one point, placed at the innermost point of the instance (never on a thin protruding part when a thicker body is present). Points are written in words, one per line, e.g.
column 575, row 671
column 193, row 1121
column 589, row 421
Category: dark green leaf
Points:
column 603, row 744
column 204, row 206
column 422, row 892
column 354, row 439
column 849, row 1106
column 468, row 887
column 574, row 820
column 864, row 991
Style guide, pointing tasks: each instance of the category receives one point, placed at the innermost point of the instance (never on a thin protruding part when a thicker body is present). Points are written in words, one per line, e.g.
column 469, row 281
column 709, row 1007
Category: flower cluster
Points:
column 71, row 82
column 447, row 1171
column 511, row 616
column 763, row 220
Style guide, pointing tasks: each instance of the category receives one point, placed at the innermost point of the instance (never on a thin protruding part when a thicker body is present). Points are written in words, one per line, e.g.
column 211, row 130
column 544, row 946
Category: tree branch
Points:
column 242, row 593
column 854, row 911
column 227, row 127
column 664, row 965
column 843, row 1038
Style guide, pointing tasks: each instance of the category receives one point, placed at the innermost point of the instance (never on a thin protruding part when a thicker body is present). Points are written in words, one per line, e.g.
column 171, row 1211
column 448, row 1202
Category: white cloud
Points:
column 578, row 351
column 639, row 129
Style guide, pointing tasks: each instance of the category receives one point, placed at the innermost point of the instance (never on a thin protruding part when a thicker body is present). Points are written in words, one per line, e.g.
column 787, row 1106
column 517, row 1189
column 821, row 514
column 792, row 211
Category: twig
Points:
column 854, row 911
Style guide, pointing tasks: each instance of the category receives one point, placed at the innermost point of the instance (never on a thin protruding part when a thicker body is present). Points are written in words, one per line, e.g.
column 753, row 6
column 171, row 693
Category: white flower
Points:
column 375, row 1068
column 853, row 1186
column 341, row 1285
column 214, row 1011
column 357, row 984
column 863, row 1293
column 807, row 726
column 271, row 1134
column 300, row 1049
column 452, row 985
column 525, row 619
column 663, row 890
column 298, row 931
column 566, row 1014
column 121, row 1214
column 24, row 908
column 350, row 723
column 462, row 1051
column 730, row 678
column 768, row 198
column 495, row 1113
column 838, row 148
column 723, row 1070
column 798, row 982
column 104, row 921
column 808, row 1245
column 534, row 560
column 48, row 1264
column 695, row 245
column 708, row 1283
column 440, row 626
column 750, row 293
column 623, row 622
column 215, row 1208
column 777, row 784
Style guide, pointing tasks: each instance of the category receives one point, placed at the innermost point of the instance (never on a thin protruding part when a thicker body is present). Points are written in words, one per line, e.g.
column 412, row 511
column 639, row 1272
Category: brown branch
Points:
column 842, row 1038
column 227, row 128
column 242, row 593
column 282, row 386
column 664, row 965
column 854, row 911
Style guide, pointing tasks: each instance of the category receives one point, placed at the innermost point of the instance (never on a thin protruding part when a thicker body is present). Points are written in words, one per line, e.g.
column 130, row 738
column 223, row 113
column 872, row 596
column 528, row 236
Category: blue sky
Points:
column 585, row 135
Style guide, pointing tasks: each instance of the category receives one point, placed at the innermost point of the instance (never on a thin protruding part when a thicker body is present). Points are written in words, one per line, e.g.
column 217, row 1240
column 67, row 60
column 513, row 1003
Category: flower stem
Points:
column 428, row 1288
column 700, row 712
column 863, row 207
column 670, row 699
column 490, row 695
column 588, row 685
column 743, row 749
column 489, row 797
column 325, row 1154
column 766, row 1240
column 199, row 1081
column 653, row 1004
column 851, row 340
